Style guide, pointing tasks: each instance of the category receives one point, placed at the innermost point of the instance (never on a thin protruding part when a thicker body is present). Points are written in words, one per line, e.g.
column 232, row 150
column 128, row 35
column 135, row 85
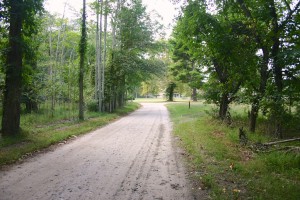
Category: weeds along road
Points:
column 132, row 158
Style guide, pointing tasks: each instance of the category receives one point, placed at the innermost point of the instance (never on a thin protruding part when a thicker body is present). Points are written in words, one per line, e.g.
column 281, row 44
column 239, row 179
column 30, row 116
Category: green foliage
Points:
column 170, row 91
column 92, row 106
column 249, row 50
column 135, row 28
column 51, row 59
column 280, row 163
column 185, row 67
column 225, row 168
column 55, row 76
column 130, row 64
column 218, row 43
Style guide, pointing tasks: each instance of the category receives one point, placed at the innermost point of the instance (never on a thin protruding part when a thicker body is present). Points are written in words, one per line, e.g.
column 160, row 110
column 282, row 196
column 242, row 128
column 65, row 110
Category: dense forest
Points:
column 232, row 51
column 49, row 62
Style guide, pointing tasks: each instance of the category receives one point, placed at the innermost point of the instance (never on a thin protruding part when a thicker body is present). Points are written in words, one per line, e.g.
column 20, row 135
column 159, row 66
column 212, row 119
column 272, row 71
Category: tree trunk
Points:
column 253, row 115
column 31, row 106
column 98, row 55
column 100, row 69
column 277, row 70
column 104, row 54
column 51, row 74
column 264, row 74
column 13, row 78
column 194, row 95
column 82, row 49
column 170, row 91
column 223, row 106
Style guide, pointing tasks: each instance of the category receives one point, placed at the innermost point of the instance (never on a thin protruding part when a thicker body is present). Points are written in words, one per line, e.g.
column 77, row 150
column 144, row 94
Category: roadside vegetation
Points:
column 40, row 130
column 229, row 169
column 97, row 58
column 54, row 69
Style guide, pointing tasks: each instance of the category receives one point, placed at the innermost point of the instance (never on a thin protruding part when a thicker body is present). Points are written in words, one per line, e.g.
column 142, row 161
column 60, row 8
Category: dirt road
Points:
column 132, row 158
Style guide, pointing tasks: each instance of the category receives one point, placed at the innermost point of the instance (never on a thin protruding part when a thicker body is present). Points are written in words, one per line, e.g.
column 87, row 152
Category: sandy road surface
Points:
column 132, row 158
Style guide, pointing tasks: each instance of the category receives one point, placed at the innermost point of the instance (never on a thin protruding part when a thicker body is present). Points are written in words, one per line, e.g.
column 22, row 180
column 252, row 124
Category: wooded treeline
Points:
column 246, row 51
column 235, row 51
column 86, row 63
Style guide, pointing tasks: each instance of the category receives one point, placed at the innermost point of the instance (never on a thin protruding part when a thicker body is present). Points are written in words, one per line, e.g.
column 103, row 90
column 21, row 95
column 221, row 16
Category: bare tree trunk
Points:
column 100, row 69
column 98, row 54
column 104, row 54
column 82, row 50
column 253, row 114
column 223, row 106
column 112, row 88
column 262, row 88
column 51, row 73
column 277, row 69
column 194, row 95
column 13, row 78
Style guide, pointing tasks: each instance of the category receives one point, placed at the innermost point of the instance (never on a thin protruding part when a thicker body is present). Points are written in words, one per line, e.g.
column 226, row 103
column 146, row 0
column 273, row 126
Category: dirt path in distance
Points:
column 132, row 158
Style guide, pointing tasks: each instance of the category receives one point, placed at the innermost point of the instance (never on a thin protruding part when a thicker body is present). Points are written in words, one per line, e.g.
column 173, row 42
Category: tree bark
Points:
column 194, row 95
column 104, row 55
column 51, row 73
column 13, row 71
column 171, row 89
column 98, row 55
column 82, row 49
column 277, row 70
column 223, row 106
column 253, row 115
column 100, row 69
column 31, row 106
column 97, row 51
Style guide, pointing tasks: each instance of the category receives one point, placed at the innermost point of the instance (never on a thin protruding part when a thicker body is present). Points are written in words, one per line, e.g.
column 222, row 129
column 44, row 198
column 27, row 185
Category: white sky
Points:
column 163, row 7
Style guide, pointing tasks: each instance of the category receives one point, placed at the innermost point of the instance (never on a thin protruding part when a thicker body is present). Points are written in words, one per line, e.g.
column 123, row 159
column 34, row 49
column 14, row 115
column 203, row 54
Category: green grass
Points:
column 224, row 167
column 42, row 133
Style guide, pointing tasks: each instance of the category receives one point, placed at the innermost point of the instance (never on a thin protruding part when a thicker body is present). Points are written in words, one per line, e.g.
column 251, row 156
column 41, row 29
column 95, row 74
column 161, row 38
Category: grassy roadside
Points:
column 36, row 136
column 227, row 169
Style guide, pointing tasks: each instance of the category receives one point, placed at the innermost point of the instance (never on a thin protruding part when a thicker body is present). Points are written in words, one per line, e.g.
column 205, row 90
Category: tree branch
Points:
column 290, row 14
column 245, row 9
column 249, row 15
column 281, row 141
column 287, row 5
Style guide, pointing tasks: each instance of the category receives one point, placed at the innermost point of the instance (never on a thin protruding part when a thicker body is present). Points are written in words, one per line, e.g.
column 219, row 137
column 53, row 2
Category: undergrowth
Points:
column 224, row 167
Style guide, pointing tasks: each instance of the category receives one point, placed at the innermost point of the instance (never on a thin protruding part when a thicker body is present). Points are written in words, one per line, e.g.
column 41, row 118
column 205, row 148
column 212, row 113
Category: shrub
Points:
column 92, row 106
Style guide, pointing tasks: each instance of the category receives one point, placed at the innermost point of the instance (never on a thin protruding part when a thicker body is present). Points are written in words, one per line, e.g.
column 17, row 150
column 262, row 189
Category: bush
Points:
column 92, row 106
column 130, row 98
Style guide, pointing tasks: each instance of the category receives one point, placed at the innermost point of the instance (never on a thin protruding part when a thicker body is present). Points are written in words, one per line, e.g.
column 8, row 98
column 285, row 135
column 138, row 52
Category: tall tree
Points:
column 13, row 80
column 98, row 68
column 20, row 15
column 269, row 22
column 185, row 67
column 213, row 41
column 126, row 61
column 82, row 52
column 106, row 10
